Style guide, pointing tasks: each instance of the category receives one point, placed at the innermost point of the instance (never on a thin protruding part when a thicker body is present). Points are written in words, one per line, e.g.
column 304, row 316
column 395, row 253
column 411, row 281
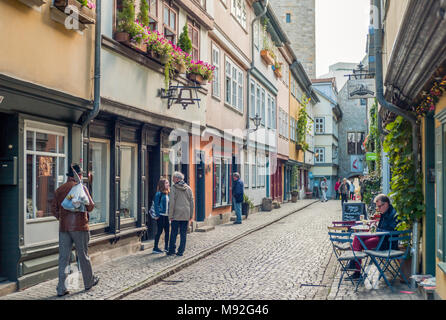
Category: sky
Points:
column 341, row 32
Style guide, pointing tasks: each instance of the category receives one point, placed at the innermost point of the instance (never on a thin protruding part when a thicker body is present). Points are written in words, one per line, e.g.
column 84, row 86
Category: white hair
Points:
column 178, row 175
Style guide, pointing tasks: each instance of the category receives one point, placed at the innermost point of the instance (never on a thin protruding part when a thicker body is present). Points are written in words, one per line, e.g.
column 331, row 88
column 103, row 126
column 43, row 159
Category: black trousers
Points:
column 181, row 227
column 344, row 198
column 162, row 224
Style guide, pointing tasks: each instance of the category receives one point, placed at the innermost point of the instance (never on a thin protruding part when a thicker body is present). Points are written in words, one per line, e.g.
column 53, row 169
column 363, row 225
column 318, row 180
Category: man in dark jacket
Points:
column 237, row 196
column 73, row 227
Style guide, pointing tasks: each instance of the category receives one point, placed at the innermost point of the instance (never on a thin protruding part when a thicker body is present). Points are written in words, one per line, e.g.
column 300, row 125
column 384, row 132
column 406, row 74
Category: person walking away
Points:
column 352, row 191
column 362, row 188
column 337, row 185
column 344, row 190
column 181, row 212
column 237, row 196
column 161, row 204
column 73, row 228
column 324, row 189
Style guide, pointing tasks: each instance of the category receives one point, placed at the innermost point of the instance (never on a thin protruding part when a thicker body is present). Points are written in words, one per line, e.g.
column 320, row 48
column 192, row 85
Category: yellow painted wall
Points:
column 37, row 49
column 440, row 275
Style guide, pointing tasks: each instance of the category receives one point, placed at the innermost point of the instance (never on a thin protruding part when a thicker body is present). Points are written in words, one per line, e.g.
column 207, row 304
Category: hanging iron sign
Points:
column 361, row 89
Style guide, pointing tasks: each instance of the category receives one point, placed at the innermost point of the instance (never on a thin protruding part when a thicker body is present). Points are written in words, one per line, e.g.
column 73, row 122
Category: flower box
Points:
column 122, row 37
column 141, row 47
column 278, row 73
column 86, row 15
column 181, row 68
column 162, row 59
column 197, row 78
column 267, row 57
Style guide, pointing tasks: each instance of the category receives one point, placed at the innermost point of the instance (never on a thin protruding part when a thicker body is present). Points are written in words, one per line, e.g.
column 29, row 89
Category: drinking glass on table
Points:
column 362, row 218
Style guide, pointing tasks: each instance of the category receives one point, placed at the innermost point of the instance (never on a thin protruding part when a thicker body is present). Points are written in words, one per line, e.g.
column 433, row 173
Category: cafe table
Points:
column 360, row 228
column 362, row 236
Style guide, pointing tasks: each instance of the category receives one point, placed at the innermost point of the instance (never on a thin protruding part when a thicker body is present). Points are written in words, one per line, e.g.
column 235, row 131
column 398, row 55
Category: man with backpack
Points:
column 73, row 228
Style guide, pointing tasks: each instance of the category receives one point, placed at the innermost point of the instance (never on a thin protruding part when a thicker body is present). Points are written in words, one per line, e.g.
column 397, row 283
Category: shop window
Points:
column 46, row 165
column 222, row 194
column 128, row 190
column 99, row 180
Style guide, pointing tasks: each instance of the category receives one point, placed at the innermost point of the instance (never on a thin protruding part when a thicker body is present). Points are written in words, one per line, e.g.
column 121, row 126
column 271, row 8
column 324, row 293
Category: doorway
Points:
column 200, row 190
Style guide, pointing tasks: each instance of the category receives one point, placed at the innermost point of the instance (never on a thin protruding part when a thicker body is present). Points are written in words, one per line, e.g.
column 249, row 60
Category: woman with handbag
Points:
column 161, row 204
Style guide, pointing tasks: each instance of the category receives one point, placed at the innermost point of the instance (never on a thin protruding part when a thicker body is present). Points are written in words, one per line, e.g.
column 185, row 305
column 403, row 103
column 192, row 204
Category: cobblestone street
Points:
column 280, row 255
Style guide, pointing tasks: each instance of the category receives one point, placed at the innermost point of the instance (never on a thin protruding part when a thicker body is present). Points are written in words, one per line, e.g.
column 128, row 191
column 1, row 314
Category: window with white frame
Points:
column 254, row 173
column 273, row 113
column 263, row 102
column 128, row 181
column 269, row 120
column 292, row 128
column 319, row 155
column 216, row 79
column 246, row 175
column 99, row 181
column 221, row 181
column 320, row 125
column 258, row 101
column 45, row 166
column 252, row 104
column 238, row 10
column 234, row 85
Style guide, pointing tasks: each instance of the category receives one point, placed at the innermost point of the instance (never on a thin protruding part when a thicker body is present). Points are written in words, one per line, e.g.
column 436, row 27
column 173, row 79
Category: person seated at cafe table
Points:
column 387, row 222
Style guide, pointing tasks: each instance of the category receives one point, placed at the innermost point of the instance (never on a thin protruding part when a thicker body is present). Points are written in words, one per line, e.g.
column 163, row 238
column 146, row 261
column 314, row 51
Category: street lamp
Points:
column 257, row 120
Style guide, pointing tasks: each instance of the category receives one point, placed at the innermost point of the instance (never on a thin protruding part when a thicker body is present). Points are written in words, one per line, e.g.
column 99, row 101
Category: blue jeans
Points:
column 238, row 209
column 176, row 225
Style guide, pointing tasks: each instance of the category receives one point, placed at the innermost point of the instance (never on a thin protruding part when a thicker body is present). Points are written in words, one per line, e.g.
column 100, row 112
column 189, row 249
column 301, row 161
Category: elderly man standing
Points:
column 73, row 227
column 181, row 212
column 237, row 196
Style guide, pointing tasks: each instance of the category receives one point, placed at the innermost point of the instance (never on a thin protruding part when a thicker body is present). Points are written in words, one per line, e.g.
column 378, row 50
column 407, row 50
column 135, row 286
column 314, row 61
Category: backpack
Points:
column 152, row 211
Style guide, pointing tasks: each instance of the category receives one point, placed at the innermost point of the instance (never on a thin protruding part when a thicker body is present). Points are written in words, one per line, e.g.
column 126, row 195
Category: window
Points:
column 216, row 63
column 273, row 113
column 46, row 165
column 320, row 125
column 319, row 155
column 98, row 172
column 263, row 107
column 288, row 18
column 153, row 14
column 128, row 181
column 252, row 104
column 258, row 98
column 202, row 3
column 194, row 34
column 355, row 142
column 254, row 173
column 221, row 181
column 363, row 102
column 234, row 86
column 246, row 178
column 170, row 23
column 238, row 10
column 269, row 121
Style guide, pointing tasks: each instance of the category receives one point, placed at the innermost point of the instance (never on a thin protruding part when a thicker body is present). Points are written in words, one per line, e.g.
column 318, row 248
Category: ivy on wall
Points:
column 407, row 195
column 302, row 123
column 373, row 141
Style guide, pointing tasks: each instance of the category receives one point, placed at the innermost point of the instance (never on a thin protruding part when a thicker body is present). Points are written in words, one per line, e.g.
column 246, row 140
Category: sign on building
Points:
column 361, row 89
column 357, row 164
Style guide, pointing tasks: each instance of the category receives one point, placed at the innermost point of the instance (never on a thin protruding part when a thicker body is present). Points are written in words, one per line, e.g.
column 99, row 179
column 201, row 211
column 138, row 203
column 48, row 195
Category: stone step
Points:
column 147, row 245
column 205, row 229
column 7, row 287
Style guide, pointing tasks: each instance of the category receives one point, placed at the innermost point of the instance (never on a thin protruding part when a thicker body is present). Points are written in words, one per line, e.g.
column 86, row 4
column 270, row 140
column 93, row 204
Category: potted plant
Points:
column 246, row 205
column 200, row 72
column 85, row 9
column 184, row 42
column 277, row 67
column 267, row 53
column 125, row 22
column 294, row 195
column 139, row 36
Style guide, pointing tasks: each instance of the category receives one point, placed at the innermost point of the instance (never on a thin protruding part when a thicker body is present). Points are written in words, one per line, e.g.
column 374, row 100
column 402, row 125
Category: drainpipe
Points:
column 97, row 76
column 393, row 108
column 248, row 76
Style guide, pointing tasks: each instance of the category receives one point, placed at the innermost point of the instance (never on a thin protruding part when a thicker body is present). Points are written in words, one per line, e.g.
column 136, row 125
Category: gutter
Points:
column 395, row 109
column 97, row 76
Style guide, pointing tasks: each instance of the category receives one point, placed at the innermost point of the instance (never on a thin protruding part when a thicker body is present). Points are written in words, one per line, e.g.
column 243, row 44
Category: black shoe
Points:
column 156, row 250
column 169, row 253
column 179, row 254
column 95, row 282
column 237, row 222
column 63, row 294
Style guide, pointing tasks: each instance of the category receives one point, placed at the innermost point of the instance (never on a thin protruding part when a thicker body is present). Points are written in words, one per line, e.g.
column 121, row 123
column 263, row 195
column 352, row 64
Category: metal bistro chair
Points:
column 383, row 258
column 342, row 248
